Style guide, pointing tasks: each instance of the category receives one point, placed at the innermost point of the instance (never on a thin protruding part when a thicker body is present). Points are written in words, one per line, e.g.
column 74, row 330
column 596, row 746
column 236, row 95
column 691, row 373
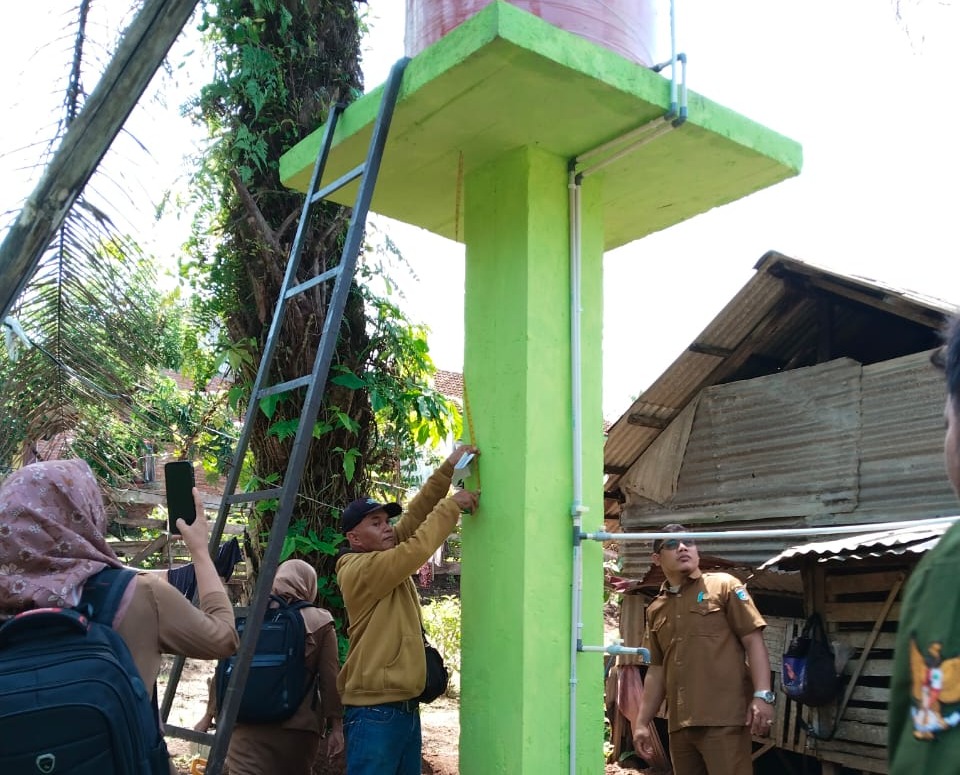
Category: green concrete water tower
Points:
column 540, row 149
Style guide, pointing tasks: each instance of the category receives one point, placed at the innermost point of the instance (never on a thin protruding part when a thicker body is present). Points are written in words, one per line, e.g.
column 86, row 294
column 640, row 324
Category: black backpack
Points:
column 71, row 698
column 809, row 666
column 278, row 679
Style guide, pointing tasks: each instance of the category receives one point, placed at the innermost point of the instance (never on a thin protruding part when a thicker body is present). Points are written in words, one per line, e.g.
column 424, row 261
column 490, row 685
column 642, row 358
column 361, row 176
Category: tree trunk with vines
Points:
column 281, row 65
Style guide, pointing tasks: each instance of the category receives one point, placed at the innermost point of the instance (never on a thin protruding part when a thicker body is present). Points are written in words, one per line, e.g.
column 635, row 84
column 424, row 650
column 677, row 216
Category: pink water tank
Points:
column 624, row 26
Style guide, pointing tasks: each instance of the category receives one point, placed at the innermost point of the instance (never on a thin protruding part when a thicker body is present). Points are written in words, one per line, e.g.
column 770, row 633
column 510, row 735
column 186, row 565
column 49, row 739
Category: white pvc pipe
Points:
column 633, row 139
column 616, row 648
column 730, row 535
column 673, row 60
column 577, row 508
column 639, row 133
column 660, row 128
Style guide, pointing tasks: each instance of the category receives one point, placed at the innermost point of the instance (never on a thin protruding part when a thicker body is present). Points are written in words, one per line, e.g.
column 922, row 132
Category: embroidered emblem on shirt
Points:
column 700, row 597
column 741, row 594
column 935, row 681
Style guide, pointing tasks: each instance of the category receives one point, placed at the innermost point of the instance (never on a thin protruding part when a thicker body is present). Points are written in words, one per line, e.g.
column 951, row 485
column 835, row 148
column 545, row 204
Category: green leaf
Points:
column 268, row 404
column 350, row 380
column 349, row 461
column 234, row 396
column 348, row 422
column 320, row 428
column 288, row 548
column 284, row 429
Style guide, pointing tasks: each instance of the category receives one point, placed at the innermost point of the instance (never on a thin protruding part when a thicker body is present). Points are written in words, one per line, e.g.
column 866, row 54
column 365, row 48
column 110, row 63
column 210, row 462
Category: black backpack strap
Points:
column 296, row 605
column 313, row 686
column 103, row 592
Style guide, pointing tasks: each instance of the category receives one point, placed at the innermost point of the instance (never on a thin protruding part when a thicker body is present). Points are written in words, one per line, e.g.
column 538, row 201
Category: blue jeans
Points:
column 382, row 740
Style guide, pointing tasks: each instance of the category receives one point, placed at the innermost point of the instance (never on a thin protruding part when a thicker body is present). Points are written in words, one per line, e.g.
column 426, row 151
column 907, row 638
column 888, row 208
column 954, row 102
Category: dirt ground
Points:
column 440, row 720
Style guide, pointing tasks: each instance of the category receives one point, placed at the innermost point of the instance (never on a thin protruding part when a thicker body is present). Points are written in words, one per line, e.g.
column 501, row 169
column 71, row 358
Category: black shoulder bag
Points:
column 437, row 676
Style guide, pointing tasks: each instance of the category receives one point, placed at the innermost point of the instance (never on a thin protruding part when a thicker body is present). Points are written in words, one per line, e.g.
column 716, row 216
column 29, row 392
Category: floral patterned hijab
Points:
column 52, row 524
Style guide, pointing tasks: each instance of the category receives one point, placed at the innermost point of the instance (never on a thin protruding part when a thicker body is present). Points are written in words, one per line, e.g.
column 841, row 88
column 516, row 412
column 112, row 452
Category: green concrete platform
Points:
column 505, row 79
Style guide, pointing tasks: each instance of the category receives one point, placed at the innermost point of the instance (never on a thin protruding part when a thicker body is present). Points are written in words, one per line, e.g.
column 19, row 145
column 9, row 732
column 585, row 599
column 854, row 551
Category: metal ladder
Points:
column 315, row 383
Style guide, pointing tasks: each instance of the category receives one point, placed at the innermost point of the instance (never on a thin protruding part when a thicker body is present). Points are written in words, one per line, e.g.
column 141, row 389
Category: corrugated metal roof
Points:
column 882, row 544
column 773, row 324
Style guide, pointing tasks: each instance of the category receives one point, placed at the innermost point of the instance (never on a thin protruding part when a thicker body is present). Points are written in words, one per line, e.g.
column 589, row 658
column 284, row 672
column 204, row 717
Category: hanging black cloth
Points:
column 184, row 578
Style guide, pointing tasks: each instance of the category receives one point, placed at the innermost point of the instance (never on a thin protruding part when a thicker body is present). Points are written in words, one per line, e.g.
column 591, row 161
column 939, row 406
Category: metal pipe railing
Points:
column 787, row 532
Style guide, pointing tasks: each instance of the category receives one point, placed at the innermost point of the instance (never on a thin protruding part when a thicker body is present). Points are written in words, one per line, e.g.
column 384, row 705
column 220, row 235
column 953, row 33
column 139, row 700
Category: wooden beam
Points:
column 709, row 349
column 824, row 329
column 139, row 55
column 156, row 498
column 648, row 420
column 154, row 546
column 160, row 524
column 851, row 290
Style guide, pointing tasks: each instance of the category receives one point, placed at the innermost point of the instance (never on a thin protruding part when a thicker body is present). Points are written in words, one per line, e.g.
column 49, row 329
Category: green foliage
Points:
column 90, row 382
column 411, row 418
column 441, row 621
column 303, row 539
column 607, row 738
column 280, row 66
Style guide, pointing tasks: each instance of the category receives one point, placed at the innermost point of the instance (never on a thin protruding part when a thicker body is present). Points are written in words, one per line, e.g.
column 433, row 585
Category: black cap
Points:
column 353, row 514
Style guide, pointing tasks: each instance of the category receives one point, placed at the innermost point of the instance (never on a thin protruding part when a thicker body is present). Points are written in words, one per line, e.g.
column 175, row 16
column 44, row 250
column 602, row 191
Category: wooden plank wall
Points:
column 859, row 607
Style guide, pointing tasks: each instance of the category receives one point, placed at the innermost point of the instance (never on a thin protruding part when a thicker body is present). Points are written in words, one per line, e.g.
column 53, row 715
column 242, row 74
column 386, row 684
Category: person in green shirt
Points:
column 925, row 687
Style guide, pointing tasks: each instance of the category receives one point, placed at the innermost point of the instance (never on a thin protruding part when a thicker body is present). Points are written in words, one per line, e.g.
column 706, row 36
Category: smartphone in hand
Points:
column 179, row 480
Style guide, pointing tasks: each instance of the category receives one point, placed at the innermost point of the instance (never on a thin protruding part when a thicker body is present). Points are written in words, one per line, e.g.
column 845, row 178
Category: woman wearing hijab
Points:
column 52, row 539
column 291, row 746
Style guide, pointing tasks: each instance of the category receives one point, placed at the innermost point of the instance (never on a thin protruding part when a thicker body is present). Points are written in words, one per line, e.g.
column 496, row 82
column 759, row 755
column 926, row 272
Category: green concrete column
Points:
column 518, row 550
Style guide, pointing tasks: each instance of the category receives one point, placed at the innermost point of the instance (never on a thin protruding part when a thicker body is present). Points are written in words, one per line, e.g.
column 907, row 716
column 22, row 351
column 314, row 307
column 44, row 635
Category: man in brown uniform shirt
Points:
column 702, row 631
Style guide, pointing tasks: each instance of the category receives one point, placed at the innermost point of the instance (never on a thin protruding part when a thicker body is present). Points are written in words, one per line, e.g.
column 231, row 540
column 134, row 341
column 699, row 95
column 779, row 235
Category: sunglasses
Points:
column 673, row 543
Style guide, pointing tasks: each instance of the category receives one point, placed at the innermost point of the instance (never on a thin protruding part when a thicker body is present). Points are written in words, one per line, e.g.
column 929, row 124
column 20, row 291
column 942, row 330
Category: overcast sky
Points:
column 870, row 96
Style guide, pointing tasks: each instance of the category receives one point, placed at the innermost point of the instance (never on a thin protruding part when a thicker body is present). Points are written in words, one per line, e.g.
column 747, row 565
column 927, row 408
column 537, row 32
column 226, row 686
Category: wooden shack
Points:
column 808, row 401
column 856, row 584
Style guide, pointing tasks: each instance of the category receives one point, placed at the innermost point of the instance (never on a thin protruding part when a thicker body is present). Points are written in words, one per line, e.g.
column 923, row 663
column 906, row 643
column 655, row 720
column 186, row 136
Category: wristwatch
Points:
column 767, row 696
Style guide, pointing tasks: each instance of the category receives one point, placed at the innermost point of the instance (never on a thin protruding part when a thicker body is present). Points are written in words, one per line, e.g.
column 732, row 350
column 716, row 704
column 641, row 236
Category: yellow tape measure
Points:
column 473, row 436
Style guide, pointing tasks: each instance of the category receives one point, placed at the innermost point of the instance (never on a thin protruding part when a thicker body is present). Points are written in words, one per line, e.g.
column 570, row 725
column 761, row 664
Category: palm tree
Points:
column 90, row 324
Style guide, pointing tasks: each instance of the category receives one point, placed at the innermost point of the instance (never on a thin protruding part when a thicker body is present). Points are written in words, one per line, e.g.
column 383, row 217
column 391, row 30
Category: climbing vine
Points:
column 280, row 65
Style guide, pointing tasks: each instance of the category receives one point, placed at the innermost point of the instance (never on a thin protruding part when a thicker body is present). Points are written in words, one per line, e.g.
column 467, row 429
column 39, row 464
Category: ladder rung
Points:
column 283, row 387
column 182, row 733
column 256, row 495
column 320, row 278
column 339, row 183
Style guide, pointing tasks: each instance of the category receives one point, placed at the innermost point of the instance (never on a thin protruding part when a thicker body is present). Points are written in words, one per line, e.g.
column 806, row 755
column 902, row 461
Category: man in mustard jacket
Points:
column 385, row 669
